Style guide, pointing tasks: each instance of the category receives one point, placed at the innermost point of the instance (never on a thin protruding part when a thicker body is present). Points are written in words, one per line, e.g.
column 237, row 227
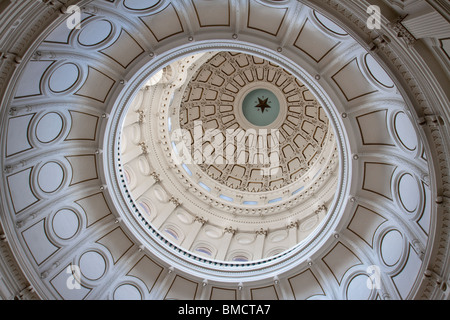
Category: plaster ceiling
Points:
column 215, row 97
column 252, row 182
column 67, row 202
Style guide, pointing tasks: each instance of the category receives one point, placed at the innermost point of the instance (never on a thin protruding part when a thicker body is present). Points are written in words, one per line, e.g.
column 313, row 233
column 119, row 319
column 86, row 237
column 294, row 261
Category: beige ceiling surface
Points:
column 59, row 210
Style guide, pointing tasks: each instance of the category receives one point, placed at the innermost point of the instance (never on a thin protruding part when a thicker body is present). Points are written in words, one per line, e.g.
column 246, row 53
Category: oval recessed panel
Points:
column 405, row 131
column 358, row 288
column 144, row 167
column 64, row 77
column 330, row 25
column 50, row 177
column 137, row 101
column 309, row 223
column 136, row 134
column 378, row 72
column 49, row 127
column 391, row 247
column 140, row 4
column 160, row 194
column 244, row 239
column 128, row 176
column 278, row 236
column 65, row 224
column 184, row 217
column 95, row 33
column 92, row 265
column 127, row 292
column 408, row 192
column 123, row 145
column 213, row 232
column 146, row 209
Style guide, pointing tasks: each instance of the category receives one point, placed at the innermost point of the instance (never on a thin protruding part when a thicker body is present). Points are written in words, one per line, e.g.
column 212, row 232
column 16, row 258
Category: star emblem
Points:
column 262, row 104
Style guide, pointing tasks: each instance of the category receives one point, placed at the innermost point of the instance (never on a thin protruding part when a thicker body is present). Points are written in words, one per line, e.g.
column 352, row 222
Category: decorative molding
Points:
column 230, row 230
column 261, row 232
column 403, row 61
column 403, row 32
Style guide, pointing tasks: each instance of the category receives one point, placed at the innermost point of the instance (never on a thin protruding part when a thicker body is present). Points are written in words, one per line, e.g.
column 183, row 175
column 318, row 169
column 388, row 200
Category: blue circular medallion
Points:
column 261, row 107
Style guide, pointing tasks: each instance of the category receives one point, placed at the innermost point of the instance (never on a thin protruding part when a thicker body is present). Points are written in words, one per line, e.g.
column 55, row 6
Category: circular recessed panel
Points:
column 49, row 127
column 50, row 177
column 64, row 77
column 405, row 131
column 408, row 192
column 95, row 33
column 65, row 224
column 261, row 107
column 391, row 247
column 127, row 292
column 92, row 265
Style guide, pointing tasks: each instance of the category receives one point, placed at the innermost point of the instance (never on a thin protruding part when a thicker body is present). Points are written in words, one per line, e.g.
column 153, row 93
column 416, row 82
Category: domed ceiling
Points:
column 238, row 92
column 268, row 185
column 119, row 181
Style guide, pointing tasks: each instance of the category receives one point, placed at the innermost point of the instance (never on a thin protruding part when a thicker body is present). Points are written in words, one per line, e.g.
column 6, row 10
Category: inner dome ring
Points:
column 150, row 237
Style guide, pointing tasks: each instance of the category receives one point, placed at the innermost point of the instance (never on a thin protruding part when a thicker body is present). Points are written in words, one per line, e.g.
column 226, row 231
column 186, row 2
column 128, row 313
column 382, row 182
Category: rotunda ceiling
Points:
column 100, row 119
column 245, row 101
column 239, row 177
